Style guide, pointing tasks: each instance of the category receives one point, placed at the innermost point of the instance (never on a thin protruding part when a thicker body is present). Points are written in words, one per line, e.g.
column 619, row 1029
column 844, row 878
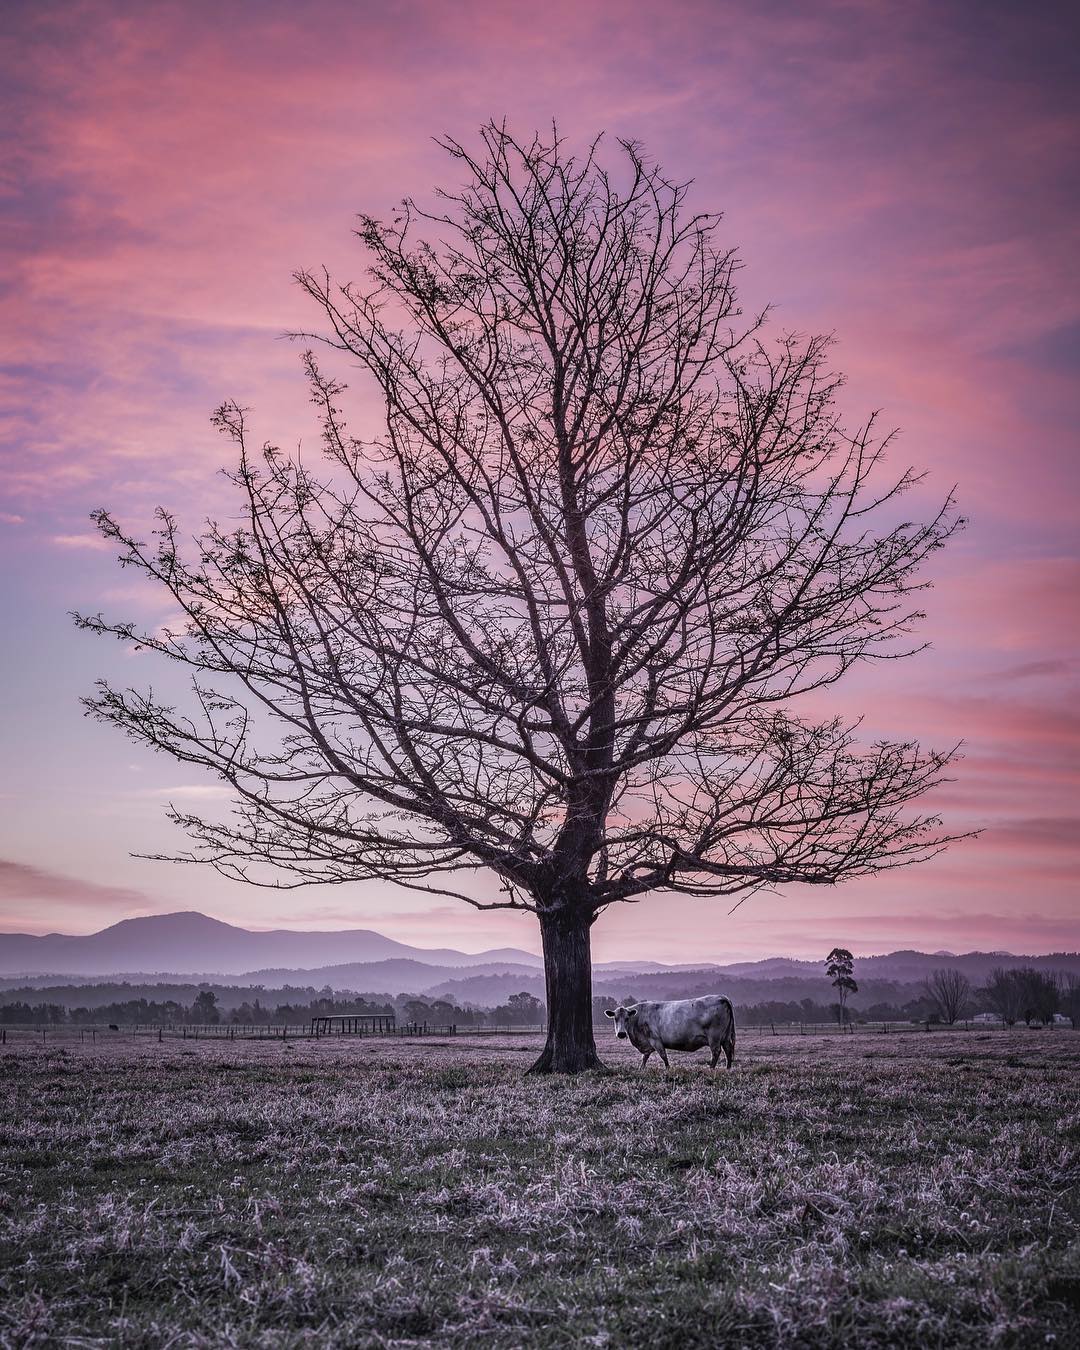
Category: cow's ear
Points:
column 631, row 1012
column 609, row 1012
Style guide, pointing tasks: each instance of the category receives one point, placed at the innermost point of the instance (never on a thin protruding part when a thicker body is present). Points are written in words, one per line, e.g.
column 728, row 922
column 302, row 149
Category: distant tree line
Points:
column 1031, row 996
column 205, row 1010
column 1024, row 995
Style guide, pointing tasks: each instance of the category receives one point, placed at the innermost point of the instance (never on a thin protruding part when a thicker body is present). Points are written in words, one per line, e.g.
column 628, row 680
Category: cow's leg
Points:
column 645, row 1057
column 663, row 1055
column 729, row 1048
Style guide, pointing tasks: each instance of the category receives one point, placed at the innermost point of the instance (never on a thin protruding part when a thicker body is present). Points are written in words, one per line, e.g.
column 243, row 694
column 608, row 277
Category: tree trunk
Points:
column 570, row 1046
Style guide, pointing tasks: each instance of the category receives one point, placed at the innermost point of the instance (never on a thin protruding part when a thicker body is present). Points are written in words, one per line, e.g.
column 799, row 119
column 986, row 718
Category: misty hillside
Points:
column 191, row 948
column 741, row 984
column 395, row 976
column 193, row 942
column 384, row 981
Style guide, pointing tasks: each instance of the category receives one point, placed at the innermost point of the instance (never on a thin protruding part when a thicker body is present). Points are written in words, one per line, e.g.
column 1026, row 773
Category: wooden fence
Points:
column 860, row 1028
column 386, row 1025
column 154, row 1030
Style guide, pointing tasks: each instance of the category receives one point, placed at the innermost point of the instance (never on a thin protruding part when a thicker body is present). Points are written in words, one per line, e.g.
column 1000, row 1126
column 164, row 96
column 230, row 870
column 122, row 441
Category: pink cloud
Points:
column 32, row 898
column 91, row 541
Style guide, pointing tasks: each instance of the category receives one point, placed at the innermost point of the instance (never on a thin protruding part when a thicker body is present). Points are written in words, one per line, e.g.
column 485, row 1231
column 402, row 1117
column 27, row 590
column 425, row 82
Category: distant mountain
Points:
column 189, row 941
column 395, row 976
column 614, row 967
column 488, row 991
column 193, row 948
column 911, row 967
column 774, row 968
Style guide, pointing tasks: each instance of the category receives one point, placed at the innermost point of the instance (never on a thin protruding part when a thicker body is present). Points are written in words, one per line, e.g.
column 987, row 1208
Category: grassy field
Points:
column 865, row 1191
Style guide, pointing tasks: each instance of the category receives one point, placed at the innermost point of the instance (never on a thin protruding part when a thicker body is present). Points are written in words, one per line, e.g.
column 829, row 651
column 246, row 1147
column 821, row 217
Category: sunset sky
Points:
column 904, row 176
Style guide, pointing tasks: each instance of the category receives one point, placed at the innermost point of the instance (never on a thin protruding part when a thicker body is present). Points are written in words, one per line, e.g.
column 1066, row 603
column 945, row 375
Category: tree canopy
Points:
column 553, row 618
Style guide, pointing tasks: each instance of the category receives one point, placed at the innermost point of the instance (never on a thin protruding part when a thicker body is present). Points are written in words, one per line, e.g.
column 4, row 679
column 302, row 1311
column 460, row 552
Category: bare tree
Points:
column 839, row 967
column 950, row 992
column 1004, row 992
column 551, row 620
column 1040, row 995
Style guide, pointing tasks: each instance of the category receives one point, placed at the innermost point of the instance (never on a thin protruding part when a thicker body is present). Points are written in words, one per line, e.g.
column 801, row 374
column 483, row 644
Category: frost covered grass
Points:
column 916, row 1190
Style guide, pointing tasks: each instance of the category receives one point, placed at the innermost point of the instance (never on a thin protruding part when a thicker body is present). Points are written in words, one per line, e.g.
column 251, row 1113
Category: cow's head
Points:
column 623, row 1017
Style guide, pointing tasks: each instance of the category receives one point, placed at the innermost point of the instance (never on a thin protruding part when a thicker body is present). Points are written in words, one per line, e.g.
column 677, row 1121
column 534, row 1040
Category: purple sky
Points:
column 904, row 176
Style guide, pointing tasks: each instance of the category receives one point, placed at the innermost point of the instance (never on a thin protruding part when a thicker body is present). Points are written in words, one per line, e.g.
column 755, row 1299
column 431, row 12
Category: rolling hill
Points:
column 189, row 941
column 193, row 948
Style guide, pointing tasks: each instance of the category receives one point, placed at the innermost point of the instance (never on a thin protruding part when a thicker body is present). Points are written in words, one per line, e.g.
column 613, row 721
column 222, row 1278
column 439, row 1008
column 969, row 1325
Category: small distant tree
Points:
column 950, row 993
column 205, row 1009
column 838, row 966
column 526, row 1008
column 1039, row 996
column 416, row 1010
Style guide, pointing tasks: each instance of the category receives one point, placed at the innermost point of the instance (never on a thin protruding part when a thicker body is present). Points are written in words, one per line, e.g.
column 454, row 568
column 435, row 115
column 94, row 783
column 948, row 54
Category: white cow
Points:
column 684, row 1024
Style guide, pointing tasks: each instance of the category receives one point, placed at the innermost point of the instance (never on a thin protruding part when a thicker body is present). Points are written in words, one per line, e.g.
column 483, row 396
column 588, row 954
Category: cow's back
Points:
column 684, row 1024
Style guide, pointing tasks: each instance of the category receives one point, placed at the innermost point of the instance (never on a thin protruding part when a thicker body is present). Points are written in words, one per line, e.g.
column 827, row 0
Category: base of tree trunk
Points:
column 570, row 1047
column 560, row 1059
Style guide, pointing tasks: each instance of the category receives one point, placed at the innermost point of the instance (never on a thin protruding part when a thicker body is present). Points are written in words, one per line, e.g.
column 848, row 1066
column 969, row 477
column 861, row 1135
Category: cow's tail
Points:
column 729, row 1040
